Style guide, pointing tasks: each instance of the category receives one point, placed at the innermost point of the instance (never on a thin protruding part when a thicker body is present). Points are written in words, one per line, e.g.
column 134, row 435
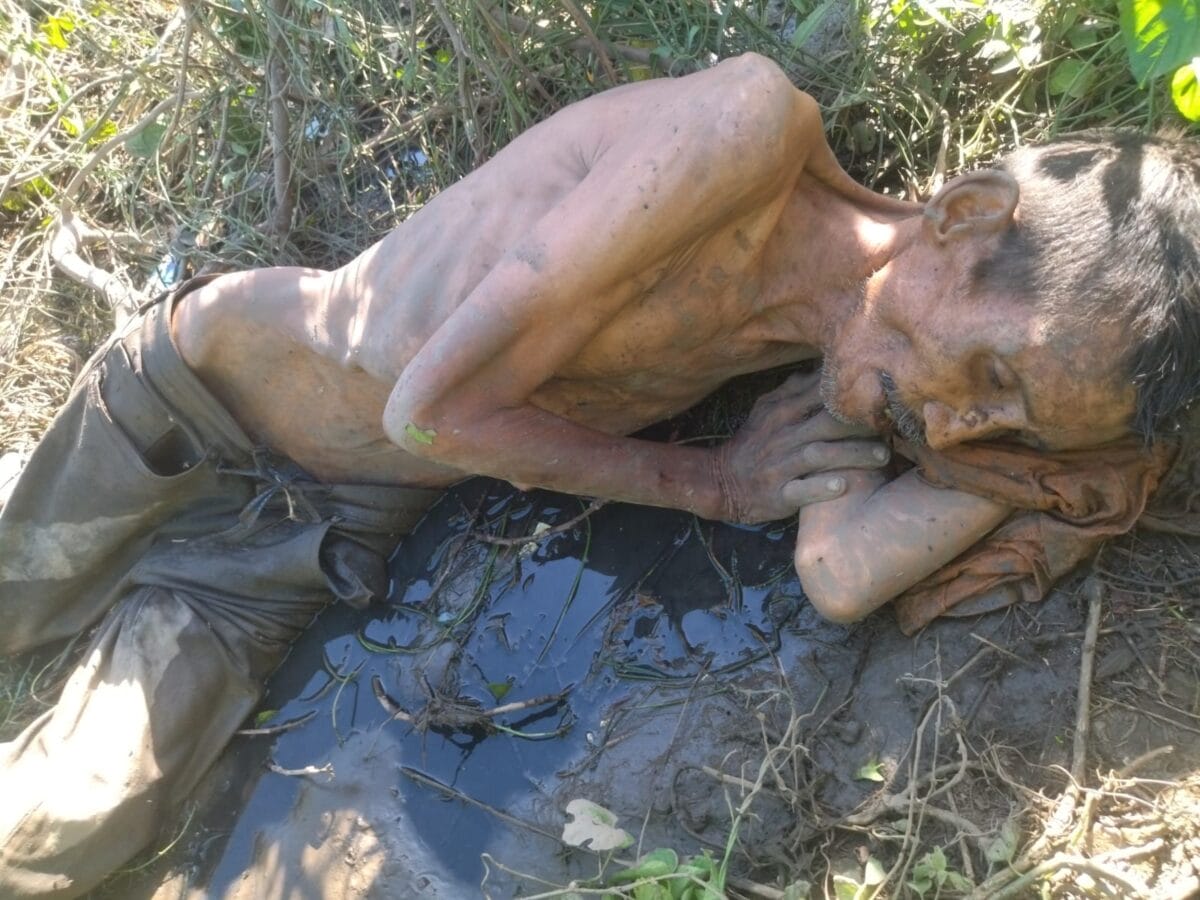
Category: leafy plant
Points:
column 860, row 887
column 870, row 771
column 660, row 875
column 1162, row 37
column 932, row 872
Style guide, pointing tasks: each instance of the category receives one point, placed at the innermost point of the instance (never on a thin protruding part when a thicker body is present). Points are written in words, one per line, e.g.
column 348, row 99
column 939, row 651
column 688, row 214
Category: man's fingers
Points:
column 824, row 427
column 804, row 413
column 823, row 456
column 796, row 386
column 814, row 489
column 799, row 383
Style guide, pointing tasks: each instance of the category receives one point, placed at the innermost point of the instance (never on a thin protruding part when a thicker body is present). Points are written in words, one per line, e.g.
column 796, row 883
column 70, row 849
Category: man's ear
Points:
column 973, row 204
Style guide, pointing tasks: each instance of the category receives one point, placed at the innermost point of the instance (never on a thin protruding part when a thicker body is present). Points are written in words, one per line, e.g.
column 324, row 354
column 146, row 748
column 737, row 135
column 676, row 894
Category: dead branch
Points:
column 304, row 771
column 1094, row 591
column 1097, row 870
column 72, row 233
column 281, row 728
column 545, row 535
column 465, row 714
column 390, row 706
column 522, row 705
column 279, row 130
column 589, row 35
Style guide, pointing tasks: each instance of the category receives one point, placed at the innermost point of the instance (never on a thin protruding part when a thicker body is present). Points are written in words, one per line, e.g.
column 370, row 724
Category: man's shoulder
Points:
column 764, row 119
column 739, row 111
column 755, row 72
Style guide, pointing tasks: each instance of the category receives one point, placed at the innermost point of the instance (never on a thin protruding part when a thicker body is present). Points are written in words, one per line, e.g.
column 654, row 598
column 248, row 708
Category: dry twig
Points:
column 280, row 127
column 302, row 772
column 545, row 535
column 281, row 728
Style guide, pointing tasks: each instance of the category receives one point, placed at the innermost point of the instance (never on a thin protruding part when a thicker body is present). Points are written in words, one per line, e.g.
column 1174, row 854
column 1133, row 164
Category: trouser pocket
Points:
column 90, row 501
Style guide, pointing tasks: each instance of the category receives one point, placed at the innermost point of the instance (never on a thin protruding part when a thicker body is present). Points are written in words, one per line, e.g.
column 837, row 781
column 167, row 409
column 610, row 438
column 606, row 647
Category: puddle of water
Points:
column 630, row 599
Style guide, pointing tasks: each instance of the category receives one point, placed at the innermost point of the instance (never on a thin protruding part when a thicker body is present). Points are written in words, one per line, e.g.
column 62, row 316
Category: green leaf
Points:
column 804, row 30
column 846, row 888
column 1160, row 35
column 698, row 869
column 1072, row 77
column 1185, row 90
column 655, row 864
column 1003, row 847
column 870, row 771
column 263, row 716
column 144, row 143
column 705, row 863
column 864, row 137
column 103, row 133
column 957, row 882
column 55, row 29
column 919, row 885
column 937, row 861
column 651, row 891
column 420, row 435
column 1083, row 36
column 499, row 689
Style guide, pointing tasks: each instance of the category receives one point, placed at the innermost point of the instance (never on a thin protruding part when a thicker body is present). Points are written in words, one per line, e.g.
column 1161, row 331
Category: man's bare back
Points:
column 307, row 359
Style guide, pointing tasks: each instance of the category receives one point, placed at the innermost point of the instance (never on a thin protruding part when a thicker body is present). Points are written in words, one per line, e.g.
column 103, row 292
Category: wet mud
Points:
column 656, row 649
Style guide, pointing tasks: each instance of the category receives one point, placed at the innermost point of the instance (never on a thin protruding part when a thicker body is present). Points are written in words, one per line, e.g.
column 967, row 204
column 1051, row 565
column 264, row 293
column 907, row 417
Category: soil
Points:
column 673, row 653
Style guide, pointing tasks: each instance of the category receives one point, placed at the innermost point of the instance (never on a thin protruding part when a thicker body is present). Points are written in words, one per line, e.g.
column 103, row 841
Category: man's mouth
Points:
column 901, row 418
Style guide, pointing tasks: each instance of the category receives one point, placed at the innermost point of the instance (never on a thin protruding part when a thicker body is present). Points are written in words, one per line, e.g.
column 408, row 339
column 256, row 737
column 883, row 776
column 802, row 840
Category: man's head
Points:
column 1055, row 299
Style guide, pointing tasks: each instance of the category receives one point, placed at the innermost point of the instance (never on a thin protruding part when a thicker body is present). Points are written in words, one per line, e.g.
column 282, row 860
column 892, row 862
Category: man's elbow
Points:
column 835, row 589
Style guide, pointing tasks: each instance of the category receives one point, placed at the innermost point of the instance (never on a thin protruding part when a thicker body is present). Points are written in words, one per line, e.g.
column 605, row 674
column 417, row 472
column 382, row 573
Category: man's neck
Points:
column 823, row 249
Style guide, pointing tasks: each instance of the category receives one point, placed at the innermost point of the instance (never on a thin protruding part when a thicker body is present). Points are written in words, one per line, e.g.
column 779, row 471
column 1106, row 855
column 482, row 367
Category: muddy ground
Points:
column 665, row 657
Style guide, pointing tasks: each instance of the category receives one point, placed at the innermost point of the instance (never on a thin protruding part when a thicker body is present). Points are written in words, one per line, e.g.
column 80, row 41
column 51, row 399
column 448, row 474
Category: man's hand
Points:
column 788, row 454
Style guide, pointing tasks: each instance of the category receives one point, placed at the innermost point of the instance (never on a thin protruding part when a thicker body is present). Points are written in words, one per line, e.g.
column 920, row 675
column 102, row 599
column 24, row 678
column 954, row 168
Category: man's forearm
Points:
column 857, row 552
column 529, row 446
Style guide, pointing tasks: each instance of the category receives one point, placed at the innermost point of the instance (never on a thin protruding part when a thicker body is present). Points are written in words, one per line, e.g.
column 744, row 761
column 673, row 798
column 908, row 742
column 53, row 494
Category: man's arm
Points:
column 881, row 537
column 654, row 193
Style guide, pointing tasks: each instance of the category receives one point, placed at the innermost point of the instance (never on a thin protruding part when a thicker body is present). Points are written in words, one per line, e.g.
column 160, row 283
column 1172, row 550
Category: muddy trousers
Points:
column 147, row 509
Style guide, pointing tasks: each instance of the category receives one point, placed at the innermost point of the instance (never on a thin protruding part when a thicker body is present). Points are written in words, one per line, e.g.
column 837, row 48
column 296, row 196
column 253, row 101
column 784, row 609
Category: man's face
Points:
column 932, row 357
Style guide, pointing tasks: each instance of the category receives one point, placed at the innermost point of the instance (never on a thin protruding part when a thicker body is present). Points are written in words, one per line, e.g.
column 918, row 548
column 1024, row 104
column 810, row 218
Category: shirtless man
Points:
column 608, row 269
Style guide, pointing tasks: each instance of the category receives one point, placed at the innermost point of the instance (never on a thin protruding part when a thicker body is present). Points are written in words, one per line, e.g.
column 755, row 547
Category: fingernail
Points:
column 835, row 485
column 881, row 454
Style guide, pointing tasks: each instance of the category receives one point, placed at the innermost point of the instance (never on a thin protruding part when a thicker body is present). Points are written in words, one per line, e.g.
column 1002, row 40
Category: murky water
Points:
column 630, row 603
column 648, row 645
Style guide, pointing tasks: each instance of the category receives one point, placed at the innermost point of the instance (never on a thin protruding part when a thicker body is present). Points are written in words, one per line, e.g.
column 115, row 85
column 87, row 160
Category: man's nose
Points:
column 946, row 426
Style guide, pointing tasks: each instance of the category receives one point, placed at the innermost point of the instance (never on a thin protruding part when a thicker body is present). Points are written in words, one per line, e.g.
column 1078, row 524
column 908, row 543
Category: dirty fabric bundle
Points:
column 1067, row 504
